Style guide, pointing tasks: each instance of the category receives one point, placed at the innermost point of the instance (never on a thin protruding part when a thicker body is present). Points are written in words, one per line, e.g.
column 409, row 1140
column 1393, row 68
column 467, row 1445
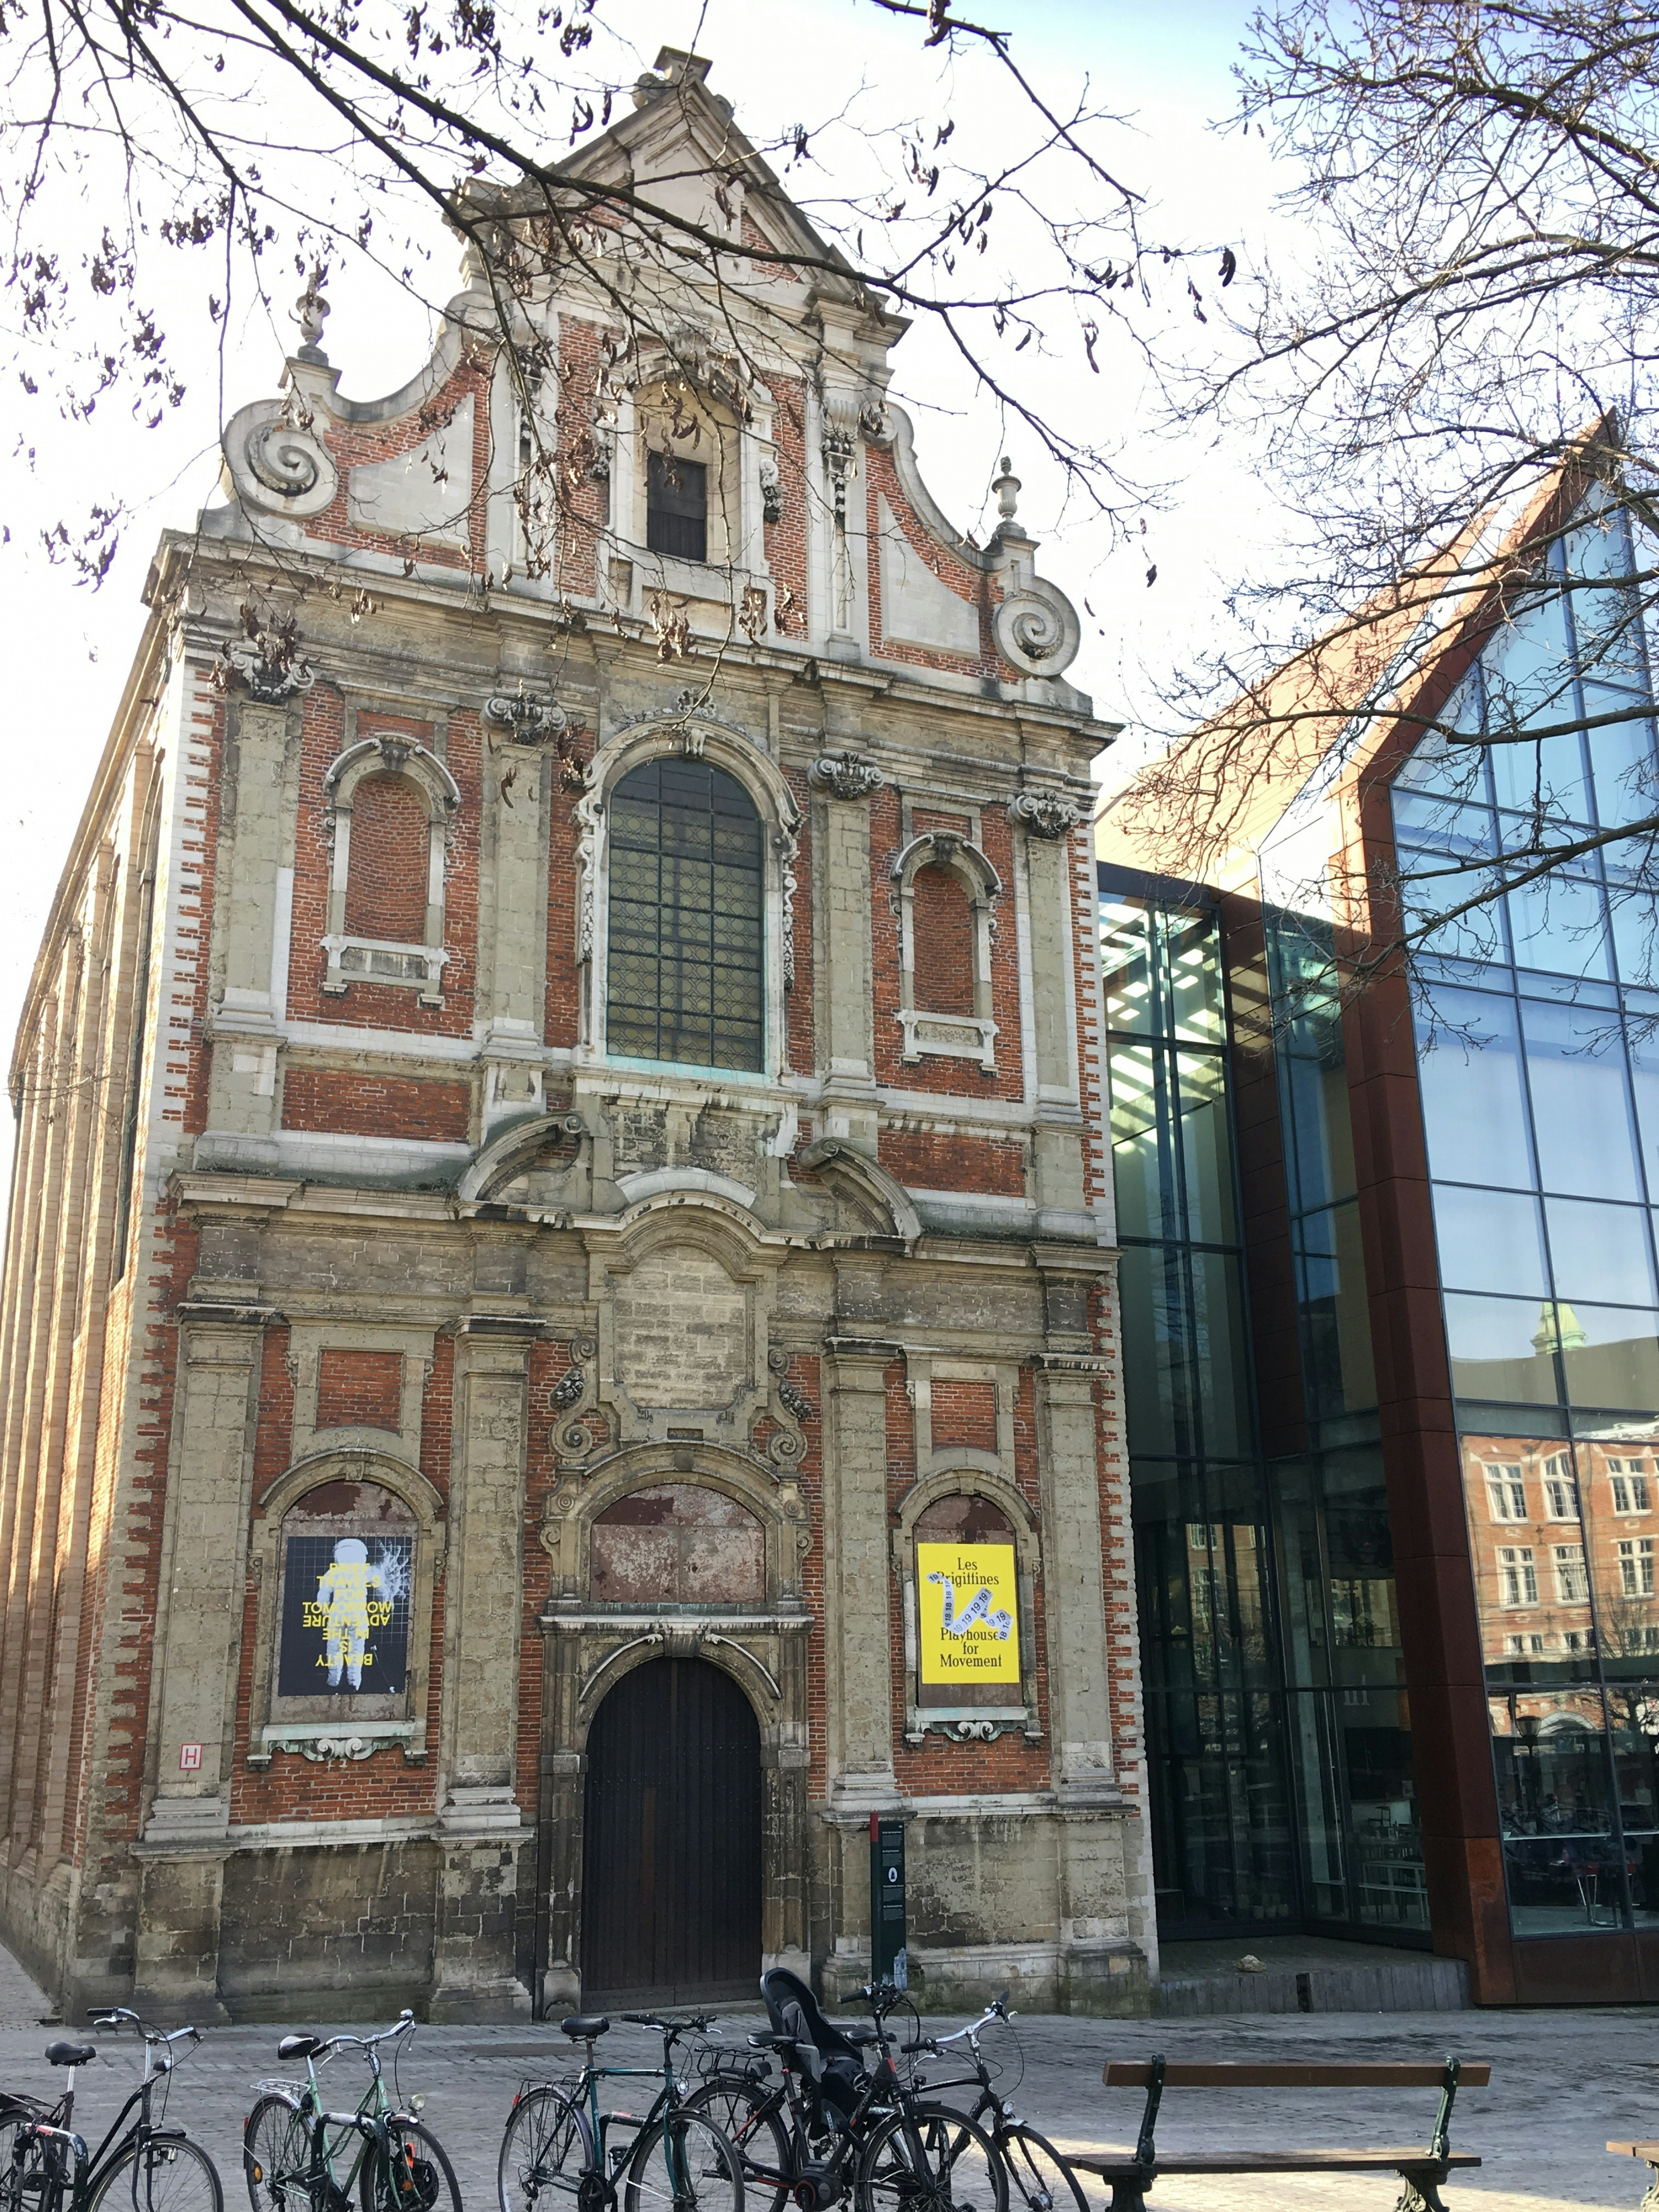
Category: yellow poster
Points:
column 970, row 1613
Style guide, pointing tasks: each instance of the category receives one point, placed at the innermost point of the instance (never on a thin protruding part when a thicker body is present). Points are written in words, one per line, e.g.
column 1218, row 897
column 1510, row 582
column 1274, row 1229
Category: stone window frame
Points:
column 967, row 1722
column 277, row 1724
column 956, row 1037
column 694, row 737
column 416, row 968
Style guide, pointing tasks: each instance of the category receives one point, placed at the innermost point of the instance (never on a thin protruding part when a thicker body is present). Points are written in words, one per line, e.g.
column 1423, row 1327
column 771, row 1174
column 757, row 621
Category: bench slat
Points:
column 1380, row 2073
column 1272, row 2161
column 1648, row 2150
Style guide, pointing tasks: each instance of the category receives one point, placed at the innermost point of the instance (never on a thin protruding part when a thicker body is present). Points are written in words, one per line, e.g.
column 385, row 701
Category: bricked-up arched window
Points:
column 386, row 881
column 944, row 924
column 953, row 1537
column 686, row 968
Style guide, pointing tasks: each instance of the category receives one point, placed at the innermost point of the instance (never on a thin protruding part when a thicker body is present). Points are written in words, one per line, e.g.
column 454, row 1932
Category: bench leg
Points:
column 1419, row 2191
column 1128, row 2196
column 1650, row 2202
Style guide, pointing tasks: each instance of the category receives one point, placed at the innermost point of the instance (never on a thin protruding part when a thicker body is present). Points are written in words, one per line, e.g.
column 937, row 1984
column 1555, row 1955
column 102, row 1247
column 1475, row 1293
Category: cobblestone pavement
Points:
column 1563, row 2083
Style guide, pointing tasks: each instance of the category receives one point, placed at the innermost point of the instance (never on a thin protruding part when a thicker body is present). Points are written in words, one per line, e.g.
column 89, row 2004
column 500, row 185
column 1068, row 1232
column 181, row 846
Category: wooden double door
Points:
column 672, row 1840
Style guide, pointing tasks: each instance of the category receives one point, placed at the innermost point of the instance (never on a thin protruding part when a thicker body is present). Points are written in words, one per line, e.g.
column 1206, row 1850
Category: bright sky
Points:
column 1167, row 68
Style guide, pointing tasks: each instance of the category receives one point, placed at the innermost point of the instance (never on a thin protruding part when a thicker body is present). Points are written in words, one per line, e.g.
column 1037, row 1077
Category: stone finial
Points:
column 310, row 311
column 845, row 776
column 1045, row 814
column 1006, row 488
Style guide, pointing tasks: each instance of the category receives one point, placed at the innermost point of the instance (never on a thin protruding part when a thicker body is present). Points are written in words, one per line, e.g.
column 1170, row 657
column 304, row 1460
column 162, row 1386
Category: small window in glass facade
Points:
column 686, row 979
column 1506, row 1493
column 677, row 506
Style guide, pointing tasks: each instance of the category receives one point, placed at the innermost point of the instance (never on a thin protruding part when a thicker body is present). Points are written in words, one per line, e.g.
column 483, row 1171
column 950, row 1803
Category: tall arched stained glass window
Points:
column 686, row 970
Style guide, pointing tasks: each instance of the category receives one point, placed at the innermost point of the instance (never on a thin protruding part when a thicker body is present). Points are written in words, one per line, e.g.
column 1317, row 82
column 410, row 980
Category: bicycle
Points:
column 47, row 2167
column 825, row 2126
column 291, row 2146
column 557, row 2141
column 1039, row 2178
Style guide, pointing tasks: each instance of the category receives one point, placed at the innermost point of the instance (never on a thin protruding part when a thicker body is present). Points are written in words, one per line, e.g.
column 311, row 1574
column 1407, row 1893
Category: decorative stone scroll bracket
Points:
column 1045, row 814
column 526, row 720
column 265, row 662
column 846, row 775
column 323, row 1742
column 982, row 1728
column 572, row 1395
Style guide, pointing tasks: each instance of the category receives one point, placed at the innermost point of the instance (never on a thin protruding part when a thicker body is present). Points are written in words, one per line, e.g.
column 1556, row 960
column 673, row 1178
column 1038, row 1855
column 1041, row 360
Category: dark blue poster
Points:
column 345, row 1617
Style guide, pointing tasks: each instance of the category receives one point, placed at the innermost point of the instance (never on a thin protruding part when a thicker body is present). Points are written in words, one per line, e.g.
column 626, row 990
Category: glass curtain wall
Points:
column 1539, row 1061
column 1349, row 1724
column 1223, row 1839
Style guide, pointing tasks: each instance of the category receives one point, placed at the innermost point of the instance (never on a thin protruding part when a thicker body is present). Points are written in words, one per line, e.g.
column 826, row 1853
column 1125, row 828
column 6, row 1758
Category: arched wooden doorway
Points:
column 672, row 1842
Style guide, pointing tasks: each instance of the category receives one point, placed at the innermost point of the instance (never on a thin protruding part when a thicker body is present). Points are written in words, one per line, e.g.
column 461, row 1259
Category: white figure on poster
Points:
column 343, row 1593
column 978, row 1608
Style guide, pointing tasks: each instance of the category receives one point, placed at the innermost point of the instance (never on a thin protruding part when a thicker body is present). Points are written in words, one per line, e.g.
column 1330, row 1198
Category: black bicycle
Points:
column 832, row 2122
column 1039, row 2178
column 46, row 2166
column 299, row 2158
column 558, row 2144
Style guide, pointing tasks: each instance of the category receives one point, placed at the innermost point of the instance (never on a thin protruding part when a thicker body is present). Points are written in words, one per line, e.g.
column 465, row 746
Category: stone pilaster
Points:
column 843, row 783
column 475, row 1967
column 204, row 1572
column 1057, row 1147
column 859, row 1694
column 1079, row 1684
column 253, row 890
column 514, row 905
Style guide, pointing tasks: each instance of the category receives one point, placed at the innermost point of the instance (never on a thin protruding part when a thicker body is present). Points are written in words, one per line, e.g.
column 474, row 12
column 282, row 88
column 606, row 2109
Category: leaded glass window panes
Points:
column 687, row 970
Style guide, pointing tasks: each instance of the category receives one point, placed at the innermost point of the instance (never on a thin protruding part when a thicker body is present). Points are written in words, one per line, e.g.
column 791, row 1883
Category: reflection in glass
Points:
column 1557, row 923
column 1565, row 1866
column 1206, row 1147
column 1474, row 1101
column 1599, row 1251
column 1611, row 1356
column 1339, row 1372
column 1501, row 1349
column 1581, row 1109
column 1489, row 1240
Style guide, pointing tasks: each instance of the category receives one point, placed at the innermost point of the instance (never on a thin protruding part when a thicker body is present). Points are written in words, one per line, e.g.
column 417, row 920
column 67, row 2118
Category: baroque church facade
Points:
column 559, row 1331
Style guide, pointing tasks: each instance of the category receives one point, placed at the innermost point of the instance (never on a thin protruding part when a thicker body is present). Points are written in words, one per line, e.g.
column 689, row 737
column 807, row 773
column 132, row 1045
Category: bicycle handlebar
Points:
column 699, row 2023
column 113, row 2016
column 405, row 2026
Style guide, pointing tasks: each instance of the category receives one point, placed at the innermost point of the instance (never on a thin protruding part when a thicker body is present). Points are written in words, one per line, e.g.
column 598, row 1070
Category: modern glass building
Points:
column 1391, row 1320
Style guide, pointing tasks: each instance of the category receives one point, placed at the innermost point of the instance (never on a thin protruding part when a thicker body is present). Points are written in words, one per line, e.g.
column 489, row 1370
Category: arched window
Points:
column 386, row 882
column 686, row 979
column 942, row 920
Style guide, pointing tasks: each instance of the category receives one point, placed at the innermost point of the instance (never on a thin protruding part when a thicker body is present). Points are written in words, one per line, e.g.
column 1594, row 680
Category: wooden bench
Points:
column 1650, row 2151
column 1421, row 2169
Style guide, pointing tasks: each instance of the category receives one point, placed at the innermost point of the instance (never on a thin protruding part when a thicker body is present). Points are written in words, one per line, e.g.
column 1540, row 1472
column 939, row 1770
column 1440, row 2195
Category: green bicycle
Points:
column 558, row 2143
column 299, row 2158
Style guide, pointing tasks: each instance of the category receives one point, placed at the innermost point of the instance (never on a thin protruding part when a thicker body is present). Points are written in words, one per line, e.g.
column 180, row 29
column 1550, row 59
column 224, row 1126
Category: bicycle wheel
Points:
column 28, row 2183
column 165, row 2174
column 684, row 2164
column 277, row 2157
column 545, row 2152
column 950, row 2164
column 746, row 2112
column 413, row 2174
column 1039, row 2179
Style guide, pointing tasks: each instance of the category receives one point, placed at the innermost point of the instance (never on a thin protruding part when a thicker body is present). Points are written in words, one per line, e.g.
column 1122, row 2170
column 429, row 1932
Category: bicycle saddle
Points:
column 70, row 2054
column 583, row 2027
column 298, row 2046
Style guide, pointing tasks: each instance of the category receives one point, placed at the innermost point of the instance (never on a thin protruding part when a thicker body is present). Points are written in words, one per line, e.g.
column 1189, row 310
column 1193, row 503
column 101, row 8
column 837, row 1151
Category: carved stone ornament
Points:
column 1038, row 631
column 266, row 661
column 845, row 776
column 1045, row 814
column 527, row 721
column 319, row 1748
column 771, row 491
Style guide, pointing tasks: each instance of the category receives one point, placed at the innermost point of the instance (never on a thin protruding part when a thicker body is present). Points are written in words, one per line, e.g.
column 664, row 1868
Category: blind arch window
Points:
column 685, row 958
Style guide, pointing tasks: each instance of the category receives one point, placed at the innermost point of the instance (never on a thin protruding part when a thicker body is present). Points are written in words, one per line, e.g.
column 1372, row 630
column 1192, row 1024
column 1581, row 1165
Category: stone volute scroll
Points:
column 524, row 720
column 1045, row 814
column 845, row 774
column 266, row 661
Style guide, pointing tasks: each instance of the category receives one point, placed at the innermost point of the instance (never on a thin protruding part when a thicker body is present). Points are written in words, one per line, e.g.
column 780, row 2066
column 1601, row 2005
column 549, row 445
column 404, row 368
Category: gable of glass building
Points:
column 1284, row 1789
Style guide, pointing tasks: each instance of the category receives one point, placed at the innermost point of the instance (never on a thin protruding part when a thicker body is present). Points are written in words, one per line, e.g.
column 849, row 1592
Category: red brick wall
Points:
column 924, row 818
column 346, row 1103
column 962, row 577
column 386, row 879
column 786, row 540
column 942, row 921
column 562, row 1002
column 965, row 1414
column 355, row 445
column 582, row 501
column 803, row 1045
column 922, row 1161
column 360, row 1390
